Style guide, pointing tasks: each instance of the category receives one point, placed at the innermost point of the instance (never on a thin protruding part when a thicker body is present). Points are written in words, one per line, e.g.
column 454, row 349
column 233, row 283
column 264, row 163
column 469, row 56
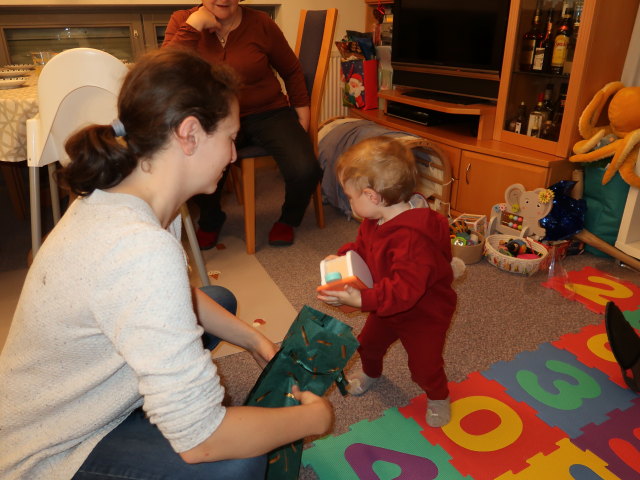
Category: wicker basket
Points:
column 520, row 266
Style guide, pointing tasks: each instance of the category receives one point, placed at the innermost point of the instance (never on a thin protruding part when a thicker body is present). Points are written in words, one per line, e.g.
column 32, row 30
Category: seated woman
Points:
column 104, row 373
column 255, row 47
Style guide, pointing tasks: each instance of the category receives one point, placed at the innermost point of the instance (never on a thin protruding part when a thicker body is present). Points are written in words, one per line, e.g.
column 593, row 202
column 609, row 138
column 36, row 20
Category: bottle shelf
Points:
column 549, row 75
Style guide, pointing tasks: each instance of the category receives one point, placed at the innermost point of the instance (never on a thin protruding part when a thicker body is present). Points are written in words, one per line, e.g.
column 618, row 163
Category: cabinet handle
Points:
column 135, row 33
column 466, row 173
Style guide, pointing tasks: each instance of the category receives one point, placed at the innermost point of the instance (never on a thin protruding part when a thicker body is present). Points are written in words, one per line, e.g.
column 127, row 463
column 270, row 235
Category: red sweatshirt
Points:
column 410, row 261
column 252, row 49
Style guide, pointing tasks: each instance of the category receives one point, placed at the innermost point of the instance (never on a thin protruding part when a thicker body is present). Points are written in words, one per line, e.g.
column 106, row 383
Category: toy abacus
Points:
column 511, row 220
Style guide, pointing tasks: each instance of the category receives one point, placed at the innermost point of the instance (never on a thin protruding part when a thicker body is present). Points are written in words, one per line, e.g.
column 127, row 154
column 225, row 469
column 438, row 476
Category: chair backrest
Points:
column 313, row 48
column 76, row 88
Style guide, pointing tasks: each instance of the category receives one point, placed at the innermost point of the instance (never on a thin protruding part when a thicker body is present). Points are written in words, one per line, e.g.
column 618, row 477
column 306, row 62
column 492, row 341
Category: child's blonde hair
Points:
column 381, row 163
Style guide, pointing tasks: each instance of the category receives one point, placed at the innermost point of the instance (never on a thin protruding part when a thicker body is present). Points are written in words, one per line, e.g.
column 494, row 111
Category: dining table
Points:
column 17, row 105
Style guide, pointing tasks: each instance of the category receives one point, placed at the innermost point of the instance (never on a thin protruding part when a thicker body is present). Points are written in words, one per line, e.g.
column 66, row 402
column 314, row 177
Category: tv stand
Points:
column 482, row 168
column 444, row 97
column 478, row 117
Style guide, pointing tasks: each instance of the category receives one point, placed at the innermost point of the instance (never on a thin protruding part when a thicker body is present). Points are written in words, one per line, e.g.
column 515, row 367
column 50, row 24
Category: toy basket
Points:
column 521, row 266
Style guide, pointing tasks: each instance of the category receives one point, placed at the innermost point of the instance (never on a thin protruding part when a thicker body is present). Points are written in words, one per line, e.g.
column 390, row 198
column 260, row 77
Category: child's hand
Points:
column 349, row 296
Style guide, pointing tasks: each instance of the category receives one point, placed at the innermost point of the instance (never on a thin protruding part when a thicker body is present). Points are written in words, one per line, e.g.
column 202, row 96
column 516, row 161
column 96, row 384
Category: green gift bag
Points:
column 312, row 356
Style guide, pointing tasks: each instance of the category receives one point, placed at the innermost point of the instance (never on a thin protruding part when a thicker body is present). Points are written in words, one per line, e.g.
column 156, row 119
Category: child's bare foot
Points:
column 360, row 382
column 438, row 412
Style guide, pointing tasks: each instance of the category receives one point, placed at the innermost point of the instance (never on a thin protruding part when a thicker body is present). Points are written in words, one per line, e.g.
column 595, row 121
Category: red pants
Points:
column 423, row 340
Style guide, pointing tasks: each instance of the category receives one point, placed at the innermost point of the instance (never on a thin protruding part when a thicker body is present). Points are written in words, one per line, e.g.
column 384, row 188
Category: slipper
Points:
column 625, row 345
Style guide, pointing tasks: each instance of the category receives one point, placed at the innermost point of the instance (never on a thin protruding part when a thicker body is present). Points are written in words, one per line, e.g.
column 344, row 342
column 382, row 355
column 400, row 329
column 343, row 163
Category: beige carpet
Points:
column 259, row 298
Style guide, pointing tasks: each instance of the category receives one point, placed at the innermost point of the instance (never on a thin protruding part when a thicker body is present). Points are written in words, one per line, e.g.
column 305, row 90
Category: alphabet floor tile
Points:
column 561, row 412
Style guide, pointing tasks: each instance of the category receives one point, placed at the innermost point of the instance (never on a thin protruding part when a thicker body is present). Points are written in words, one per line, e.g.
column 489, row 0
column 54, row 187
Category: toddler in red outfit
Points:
column 408, row 250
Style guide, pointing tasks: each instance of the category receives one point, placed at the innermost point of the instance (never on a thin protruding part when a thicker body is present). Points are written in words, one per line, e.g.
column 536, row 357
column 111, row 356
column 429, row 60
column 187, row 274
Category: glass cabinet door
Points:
column 118, row 34
column 22, row 41
column 546, row 37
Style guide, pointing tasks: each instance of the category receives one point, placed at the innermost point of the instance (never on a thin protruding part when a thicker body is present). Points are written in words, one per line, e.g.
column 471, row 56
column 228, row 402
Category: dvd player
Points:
column 420, row 115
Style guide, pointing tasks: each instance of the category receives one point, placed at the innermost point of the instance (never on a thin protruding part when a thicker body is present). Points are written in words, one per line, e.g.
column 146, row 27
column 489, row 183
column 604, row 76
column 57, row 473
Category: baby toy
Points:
column 620, row 139
column 522, row 212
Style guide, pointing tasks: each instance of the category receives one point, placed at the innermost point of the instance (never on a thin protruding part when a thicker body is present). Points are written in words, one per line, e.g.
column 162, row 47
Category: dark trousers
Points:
column 279, row 132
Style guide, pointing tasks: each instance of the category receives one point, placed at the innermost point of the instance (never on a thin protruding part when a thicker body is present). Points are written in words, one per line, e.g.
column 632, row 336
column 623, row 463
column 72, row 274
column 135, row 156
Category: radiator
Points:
column 332, row 98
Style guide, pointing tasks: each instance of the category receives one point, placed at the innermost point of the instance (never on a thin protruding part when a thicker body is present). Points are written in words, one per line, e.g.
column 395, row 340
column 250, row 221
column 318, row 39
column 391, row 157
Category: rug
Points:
column 559, row 412
column 260, row 302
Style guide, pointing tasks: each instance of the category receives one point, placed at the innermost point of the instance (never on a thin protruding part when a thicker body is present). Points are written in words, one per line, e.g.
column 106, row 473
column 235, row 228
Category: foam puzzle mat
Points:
column 561, row 412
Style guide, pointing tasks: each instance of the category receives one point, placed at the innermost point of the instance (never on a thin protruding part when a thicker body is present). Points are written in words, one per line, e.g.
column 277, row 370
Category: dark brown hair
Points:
column 159, row 92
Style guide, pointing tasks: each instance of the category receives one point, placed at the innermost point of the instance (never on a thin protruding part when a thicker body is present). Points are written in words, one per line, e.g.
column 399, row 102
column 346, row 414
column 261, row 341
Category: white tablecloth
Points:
column 17, row 105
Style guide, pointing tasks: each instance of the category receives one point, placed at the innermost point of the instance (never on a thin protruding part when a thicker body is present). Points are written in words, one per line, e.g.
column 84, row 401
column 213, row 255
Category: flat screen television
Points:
column 449, row 46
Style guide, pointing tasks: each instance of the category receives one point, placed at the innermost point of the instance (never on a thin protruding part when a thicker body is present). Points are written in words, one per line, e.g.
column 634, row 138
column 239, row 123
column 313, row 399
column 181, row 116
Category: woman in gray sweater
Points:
column 104, row 373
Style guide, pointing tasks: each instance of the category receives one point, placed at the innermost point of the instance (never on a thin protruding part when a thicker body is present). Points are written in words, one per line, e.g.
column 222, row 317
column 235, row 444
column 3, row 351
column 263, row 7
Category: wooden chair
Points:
column 313, row 48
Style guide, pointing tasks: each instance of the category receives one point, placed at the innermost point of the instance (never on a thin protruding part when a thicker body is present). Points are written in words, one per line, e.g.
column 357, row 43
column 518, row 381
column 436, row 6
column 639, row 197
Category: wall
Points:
column 351, row 13
column 631, row 72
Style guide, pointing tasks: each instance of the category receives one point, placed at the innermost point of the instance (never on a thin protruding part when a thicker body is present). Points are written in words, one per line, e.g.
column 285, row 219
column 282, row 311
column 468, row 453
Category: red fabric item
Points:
column 281, row 235
column 252, row 49
column 207, row 240
column 412, row 298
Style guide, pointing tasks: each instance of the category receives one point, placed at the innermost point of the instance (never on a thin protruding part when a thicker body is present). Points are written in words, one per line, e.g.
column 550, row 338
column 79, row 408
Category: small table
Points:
column 17, row 105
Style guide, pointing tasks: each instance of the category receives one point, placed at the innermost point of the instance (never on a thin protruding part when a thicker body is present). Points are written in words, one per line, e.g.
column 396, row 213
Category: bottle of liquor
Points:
column 548, row 131
column 561, row 40
column 577, row 13
column 558, row 112
column 542, row 53
column 536, row 118
column 519, row 123
column 547, row 104
column 530, row 41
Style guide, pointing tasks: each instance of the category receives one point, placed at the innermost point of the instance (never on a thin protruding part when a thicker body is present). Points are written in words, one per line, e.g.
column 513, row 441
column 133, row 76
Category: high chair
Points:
column 76, row 88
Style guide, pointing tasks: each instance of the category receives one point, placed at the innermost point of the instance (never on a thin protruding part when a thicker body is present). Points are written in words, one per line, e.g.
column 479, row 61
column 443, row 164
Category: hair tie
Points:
column 118, row 128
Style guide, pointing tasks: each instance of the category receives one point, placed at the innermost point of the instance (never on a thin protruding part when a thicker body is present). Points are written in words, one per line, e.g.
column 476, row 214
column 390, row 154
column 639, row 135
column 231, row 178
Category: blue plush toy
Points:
column 567, row 214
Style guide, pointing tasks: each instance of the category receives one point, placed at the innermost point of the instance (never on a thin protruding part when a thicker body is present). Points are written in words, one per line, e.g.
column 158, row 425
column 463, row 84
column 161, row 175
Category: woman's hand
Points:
column 264, row 350
column 202, row 19
column 304, row 117
column 349, row 296
column 324, row 415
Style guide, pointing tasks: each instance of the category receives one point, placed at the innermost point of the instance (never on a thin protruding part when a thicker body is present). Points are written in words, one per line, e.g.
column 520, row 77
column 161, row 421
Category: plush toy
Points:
column 620, row 139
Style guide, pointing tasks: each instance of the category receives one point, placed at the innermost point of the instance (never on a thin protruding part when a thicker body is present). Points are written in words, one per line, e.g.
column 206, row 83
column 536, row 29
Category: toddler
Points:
column 408, row 250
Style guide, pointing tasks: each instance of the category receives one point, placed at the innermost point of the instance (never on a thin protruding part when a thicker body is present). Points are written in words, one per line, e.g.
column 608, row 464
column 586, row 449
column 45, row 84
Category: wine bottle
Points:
column 558, row 113
column 547, row 105
column 530, row 41
column 518, row 124
column 542, row 53
column 536, row 118
column 548, row 131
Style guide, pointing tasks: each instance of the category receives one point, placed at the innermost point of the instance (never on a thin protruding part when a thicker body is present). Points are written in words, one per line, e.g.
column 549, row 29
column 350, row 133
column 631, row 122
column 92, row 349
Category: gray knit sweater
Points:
column 104, row 324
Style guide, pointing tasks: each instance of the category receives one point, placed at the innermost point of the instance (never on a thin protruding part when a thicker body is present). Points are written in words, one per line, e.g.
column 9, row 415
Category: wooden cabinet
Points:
column 483, row 179
column 481, row 168
column 485, row 157
column 600, row 52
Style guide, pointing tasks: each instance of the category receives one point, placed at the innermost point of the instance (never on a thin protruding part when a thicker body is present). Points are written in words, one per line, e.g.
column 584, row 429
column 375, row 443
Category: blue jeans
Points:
column 136, row 449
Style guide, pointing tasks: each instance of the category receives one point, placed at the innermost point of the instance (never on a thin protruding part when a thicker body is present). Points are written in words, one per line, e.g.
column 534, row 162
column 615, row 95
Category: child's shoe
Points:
column 360, row 382
column 438, row 412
